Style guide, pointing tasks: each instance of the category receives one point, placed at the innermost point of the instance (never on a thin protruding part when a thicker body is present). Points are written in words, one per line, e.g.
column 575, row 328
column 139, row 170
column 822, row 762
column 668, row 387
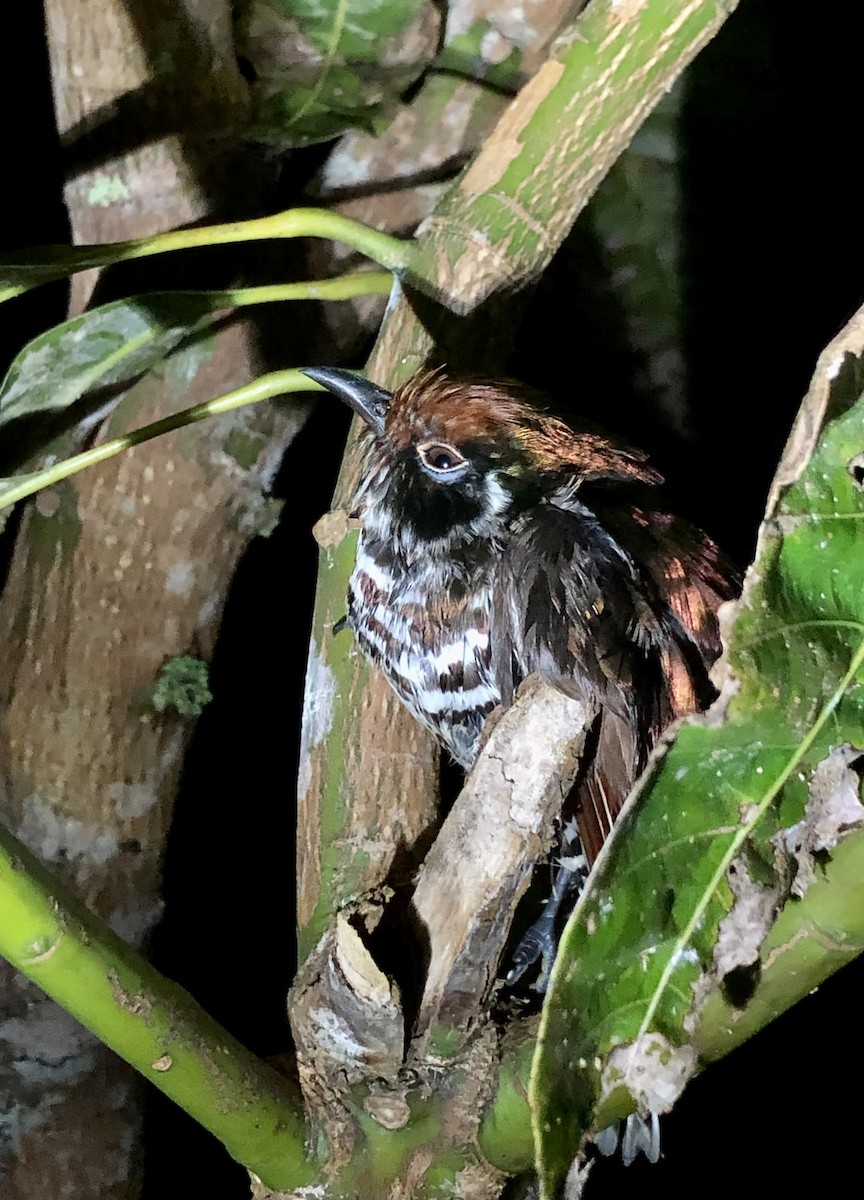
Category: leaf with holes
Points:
column 724, row 835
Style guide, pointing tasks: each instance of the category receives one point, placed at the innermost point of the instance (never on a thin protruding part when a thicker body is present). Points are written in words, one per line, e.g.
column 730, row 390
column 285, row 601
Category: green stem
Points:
column 505, row 1136
column 277, row 383
column 149, row 1021
column 43, row 264
column 341, row 287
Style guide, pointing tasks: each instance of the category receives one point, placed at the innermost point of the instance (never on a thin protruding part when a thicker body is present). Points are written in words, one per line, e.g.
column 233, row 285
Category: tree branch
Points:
column 149, row 1021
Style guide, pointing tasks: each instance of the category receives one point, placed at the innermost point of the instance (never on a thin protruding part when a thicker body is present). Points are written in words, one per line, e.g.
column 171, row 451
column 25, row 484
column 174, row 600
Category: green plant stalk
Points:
column 811, row 938
column 334, row 566
column 341, row 287
column 55, row 262
column 757, row 810
column 149, row 1021
column 522, row 194
column 154, row 323
column 276, row 383
column 505, row 1136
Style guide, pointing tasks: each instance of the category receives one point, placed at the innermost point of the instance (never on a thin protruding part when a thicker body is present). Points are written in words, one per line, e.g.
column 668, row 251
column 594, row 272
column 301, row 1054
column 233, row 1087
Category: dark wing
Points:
column 618, row 607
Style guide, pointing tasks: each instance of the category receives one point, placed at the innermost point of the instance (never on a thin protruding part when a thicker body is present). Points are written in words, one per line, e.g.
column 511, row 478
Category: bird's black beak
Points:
column 367, row 399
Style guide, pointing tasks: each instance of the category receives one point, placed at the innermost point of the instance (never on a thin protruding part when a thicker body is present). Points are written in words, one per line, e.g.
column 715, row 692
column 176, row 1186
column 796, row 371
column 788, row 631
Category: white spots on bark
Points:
column 131, row 800
column 208, row 609
column 106, row 190
column 54, row 837
column 180, row 578
column 172, row 750
column 180, row 520
column 834, row 367
column 349, row 171
column 48, row 1046
column 335, row 1036
column 318, row 702
column 134, row 925
column 493, row 47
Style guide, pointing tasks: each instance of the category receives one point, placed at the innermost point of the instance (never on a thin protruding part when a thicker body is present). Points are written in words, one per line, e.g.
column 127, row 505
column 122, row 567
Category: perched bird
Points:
column 497, row 541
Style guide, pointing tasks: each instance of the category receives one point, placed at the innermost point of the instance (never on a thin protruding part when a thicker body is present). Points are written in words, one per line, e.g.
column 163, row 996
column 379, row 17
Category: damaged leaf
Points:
column 734, row 817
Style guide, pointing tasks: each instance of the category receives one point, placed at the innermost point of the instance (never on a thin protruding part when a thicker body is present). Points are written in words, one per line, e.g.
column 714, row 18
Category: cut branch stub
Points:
column 348, row 1028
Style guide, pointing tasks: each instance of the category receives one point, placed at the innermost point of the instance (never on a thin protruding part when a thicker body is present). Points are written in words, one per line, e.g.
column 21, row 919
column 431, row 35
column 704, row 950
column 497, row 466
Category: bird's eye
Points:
column 440, row 457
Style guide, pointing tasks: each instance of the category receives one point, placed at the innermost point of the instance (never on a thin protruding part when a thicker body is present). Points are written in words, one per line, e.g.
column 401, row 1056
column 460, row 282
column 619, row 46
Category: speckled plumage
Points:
column 496, row 541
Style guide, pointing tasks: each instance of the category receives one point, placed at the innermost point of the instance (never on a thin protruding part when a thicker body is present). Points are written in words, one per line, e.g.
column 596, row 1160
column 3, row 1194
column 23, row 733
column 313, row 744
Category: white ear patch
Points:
column 498, row 497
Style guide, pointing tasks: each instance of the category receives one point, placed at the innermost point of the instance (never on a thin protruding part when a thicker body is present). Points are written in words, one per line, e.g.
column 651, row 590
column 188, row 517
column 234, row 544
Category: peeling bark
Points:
column 347, row 1016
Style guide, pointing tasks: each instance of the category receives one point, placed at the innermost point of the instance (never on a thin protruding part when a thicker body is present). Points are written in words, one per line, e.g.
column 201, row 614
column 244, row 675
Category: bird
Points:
column 497, row 541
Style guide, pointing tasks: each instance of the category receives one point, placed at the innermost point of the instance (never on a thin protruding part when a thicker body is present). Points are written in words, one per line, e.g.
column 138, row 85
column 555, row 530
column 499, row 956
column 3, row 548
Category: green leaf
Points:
column 668, row 919
column 350, row 29
column 318, row 109
column 107, row 346
column 323, row 66
column 113, row 344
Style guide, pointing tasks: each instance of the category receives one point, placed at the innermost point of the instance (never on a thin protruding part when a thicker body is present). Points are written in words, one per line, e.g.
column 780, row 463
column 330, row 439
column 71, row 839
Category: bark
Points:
column 147, row 97
column 500, row 825
column 119, row 571
column 350, row 1021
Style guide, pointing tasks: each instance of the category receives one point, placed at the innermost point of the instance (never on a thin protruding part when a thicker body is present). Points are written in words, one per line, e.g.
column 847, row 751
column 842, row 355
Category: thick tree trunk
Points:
column 147, row 96
column 119, row 571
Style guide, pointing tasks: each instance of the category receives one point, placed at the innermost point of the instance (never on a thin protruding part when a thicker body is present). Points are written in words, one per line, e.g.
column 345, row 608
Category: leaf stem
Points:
column 43, row 264
column 341, row 287
column 276, row 383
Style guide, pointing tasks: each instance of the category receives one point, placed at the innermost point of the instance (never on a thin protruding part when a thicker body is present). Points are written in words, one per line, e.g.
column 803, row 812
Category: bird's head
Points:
column 455, row 457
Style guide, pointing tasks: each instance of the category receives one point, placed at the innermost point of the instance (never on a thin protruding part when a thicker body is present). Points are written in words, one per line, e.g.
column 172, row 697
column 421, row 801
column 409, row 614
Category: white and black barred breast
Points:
column 431, row 643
